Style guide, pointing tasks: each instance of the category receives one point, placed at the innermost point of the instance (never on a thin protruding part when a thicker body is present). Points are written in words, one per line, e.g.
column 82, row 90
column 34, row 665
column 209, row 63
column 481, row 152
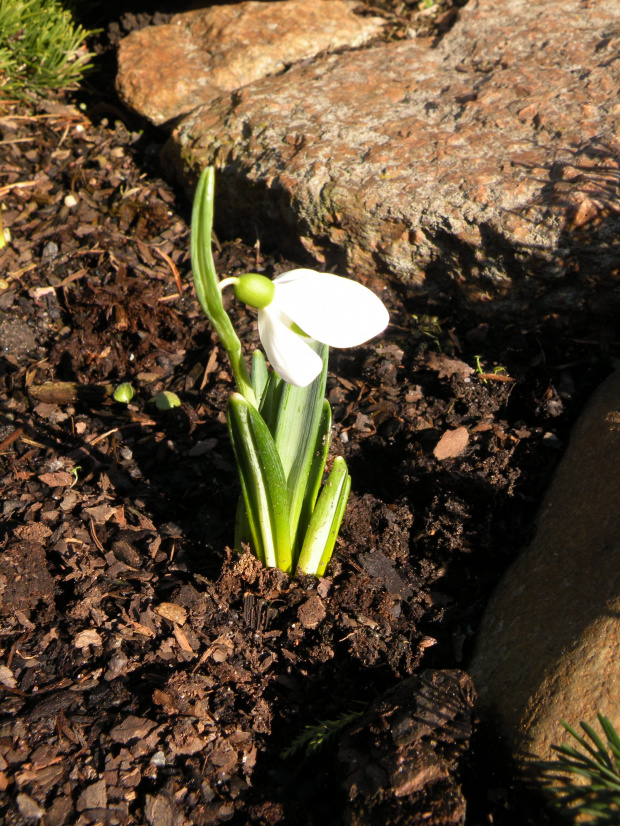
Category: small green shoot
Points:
column 498, row 370
column 166, row 400
column 124, row 393
column 75, row 473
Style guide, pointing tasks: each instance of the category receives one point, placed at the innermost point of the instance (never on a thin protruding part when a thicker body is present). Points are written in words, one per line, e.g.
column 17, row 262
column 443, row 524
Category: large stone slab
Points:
column 549, row 645
column 166, row 71
column 488, row 165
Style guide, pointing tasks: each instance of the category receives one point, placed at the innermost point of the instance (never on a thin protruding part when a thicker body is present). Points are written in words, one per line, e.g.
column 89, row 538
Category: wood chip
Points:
column 93, row 797
column 172, row 612
column 60, row 479
column 86, row 638
column 452, row 443
column 7, row 678
column 184, row 644
column 447, row 367
column 132, row 728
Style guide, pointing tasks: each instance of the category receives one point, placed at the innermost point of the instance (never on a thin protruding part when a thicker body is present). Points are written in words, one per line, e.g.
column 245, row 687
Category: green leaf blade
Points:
column 325, row 523
column 295, row 433
column 259, row 375
column 263, row 484
column 317, row 467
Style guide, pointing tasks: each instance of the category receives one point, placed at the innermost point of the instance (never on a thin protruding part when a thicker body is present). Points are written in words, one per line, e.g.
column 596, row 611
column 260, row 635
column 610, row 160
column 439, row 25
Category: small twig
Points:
column 173, row 267
column 63, row 136
column 66, row 116
column 32, row 442
column 19, row 185
column 12, row 437
column 18, row 273
column 211, row 365
column 103, row 436
column 96, row 540
column 39, row 292
column 494, row 377
column 11, row 141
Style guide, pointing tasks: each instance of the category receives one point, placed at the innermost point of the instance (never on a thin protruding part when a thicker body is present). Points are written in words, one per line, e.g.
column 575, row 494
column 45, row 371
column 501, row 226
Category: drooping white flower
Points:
column 308, row 305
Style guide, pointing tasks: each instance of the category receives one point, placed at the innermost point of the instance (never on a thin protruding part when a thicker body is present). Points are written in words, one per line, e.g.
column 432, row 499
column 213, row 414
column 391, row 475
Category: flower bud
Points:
column 255, row 290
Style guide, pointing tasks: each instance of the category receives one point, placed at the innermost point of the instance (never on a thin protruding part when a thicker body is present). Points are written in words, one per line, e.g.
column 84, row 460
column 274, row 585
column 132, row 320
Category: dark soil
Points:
column 148, row 673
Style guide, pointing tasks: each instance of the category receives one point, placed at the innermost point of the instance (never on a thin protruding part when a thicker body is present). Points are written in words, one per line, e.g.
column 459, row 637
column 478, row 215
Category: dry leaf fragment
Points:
column 451, row 444
column 60, row 479
column 132, row 728
column 100, row 513
column 182, row 640
column 447, row 367
column 143, row 630
column 220, row 650
column 86, row 638
column 7, row 678
column 172, row 612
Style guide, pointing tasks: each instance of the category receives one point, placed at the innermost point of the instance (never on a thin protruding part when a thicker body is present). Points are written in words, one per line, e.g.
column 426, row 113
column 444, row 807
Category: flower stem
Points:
column 208, row 284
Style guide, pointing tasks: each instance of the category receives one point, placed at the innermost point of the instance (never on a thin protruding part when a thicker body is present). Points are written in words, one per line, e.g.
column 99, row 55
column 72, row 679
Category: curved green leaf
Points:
column 207, row 282
column 263, row 484
column 326, row 519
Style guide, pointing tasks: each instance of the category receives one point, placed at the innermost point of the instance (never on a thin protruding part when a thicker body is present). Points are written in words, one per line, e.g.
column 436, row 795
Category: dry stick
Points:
column 494, row 377
column 102, row 436
column 172, row 265
column 96, row 539
column 12, row 437
column 39, row 292
column 11, row 141
column 19, row 185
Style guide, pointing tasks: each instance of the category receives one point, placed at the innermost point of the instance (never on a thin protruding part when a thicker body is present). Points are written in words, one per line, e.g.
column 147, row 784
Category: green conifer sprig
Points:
column 585, row 781
column 313, row 738
column 40, row 47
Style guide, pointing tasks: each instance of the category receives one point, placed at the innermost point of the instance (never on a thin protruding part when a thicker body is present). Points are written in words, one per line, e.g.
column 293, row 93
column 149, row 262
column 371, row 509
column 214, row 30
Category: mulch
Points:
column 149, row 673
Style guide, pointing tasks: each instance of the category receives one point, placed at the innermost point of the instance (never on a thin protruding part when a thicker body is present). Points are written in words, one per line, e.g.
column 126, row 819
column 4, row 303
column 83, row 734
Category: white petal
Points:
column 336, row 311
column 290, row 356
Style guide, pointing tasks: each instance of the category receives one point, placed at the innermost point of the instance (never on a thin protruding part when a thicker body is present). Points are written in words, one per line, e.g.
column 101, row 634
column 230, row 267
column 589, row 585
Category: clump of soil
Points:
column 149, row 673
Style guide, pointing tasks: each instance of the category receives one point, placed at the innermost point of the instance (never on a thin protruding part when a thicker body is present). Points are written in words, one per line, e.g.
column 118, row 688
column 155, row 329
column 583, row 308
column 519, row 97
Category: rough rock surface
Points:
column 166, row 71
column 548, row 648
column 488, row 165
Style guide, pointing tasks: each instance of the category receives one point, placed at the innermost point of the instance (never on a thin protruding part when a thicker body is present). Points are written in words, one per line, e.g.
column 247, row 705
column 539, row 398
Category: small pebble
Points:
column 50, row 251
column 70, row 200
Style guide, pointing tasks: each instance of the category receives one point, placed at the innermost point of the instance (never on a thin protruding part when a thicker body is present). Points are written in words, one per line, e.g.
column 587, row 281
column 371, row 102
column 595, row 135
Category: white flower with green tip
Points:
column 303, row 305
column 279, row 421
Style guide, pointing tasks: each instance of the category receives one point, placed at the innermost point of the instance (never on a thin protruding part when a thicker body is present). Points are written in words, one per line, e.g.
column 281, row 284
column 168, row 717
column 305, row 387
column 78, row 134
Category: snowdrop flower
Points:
column 302, row 306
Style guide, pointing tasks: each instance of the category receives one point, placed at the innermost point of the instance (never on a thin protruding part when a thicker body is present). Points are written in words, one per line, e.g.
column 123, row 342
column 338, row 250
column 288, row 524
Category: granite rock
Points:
column 487, row 167
column 166, row 71
column 549, row 644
